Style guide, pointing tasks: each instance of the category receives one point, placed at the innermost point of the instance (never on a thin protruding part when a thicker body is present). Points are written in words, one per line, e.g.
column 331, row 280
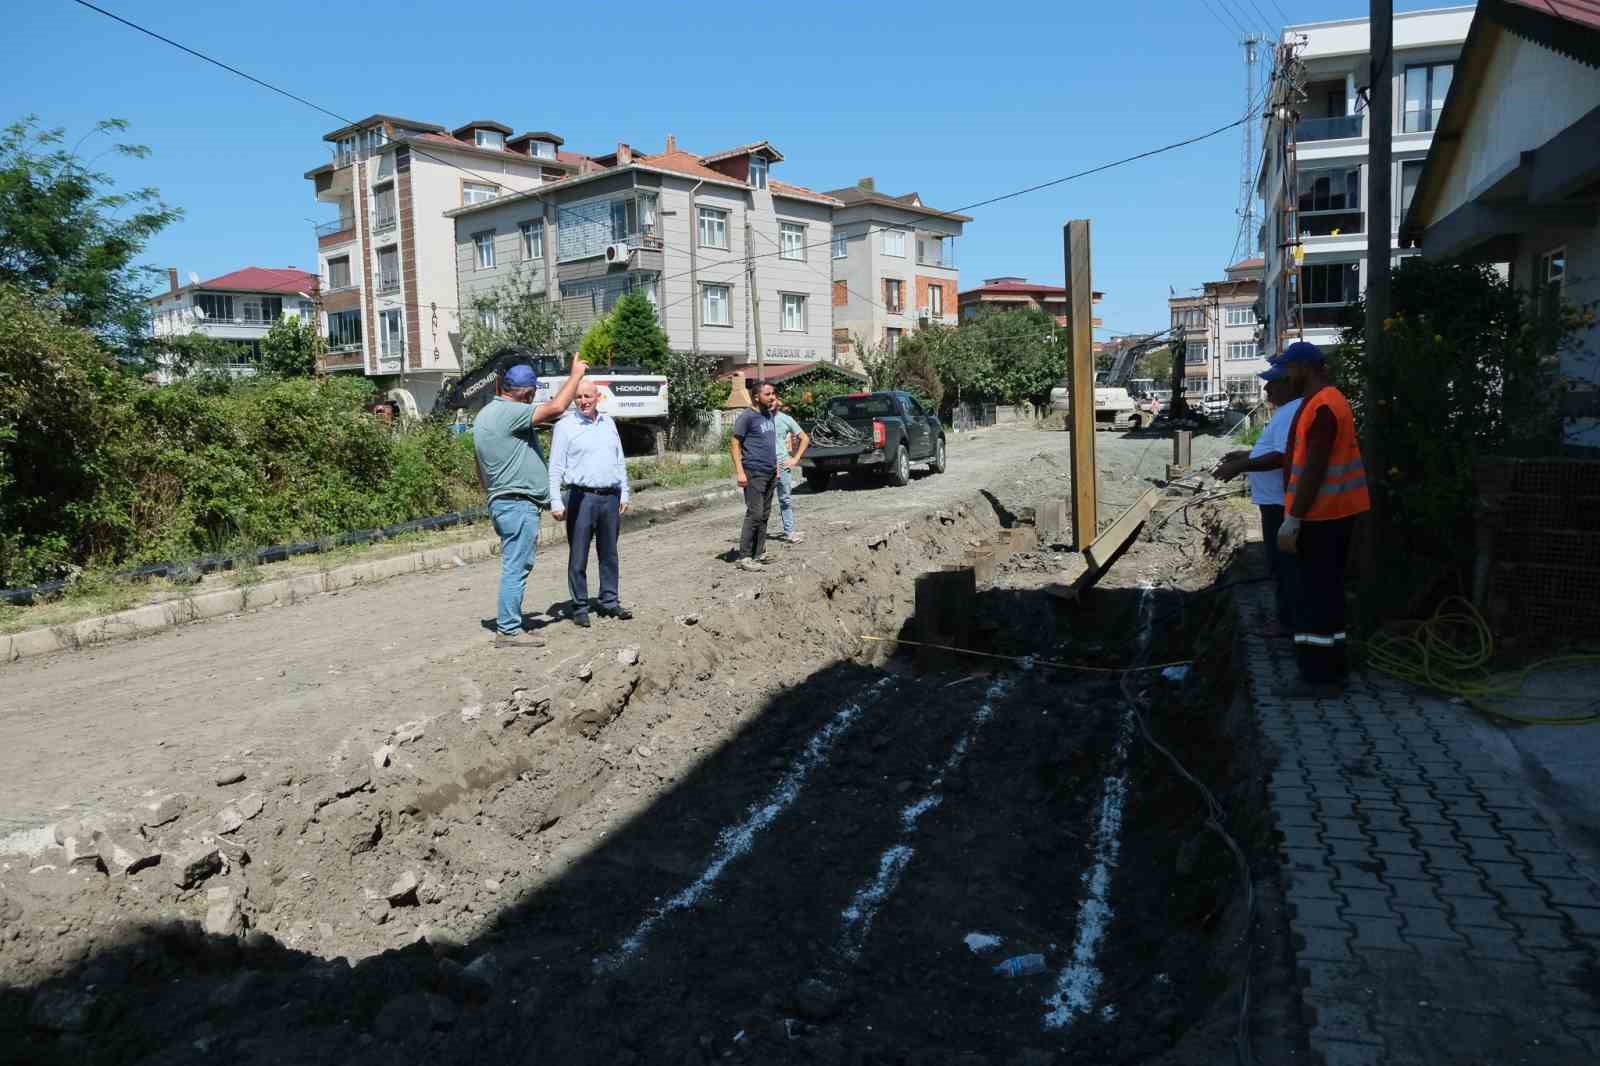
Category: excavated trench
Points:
column 695, row 850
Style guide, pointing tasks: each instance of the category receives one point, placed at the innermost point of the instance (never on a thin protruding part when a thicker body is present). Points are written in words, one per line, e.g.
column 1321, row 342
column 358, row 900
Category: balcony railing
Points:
column 388, row 283
column 384, row 220
column 328, row 229
column 336, row 287
column 335, row 347
column 1336, row 128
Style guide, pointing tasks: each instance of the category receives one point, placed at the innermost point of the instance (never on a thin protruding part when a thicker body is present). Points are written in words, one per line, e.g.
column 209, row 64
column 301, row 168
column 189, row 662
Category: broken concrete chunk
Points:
column 687, row 619
column 166, row 809
column 409, row 732
column 82, row 854
column 381, row 757
column 472, row 712
column 628, row 656
column 229, row 820
column 126, row 855
column 195, row 861
column 224, row 915
column 404, row 889
column 229, row 777
column 250, row 806
column 69, row 829
column 585, row 672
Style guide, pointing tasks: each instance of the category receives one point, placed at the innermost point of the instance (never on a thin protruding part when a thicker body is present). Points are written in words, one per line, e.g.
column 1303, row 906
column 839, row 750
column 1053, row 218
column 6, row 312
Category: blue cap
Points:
column 521, row 376
column 1301, row 352
column 1274, row 372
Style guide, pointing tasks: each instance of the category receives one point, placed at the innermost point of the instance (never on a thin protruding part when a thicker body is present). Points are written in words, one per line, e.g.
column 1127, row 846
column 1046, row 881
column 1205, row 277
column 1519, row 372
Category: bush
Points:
column 808, row 400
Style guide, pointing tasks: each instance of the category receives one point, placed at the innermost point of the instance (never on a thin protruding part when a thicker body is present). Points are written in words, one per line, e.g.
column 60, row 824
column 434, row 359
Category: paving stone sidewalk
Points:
column 1437, row 919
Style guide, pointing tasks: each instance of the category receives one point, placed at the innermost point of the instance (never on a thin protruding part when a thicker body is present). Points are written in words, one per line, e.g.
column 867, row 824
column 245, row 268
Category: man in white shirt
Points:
column 1263, row 465
column 589, row 487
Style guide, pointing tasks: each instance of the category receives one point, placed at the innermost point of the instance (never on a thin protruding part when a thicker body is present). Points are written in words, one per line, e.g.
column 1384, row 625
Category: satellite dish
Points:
column 194, row 279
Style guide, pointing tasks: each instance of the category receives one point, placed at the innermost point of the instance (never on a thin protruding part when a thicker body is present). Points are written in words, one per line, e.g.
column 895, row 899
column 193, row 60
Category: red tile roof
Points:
column 744, row 149
column 799, row 192
column 262, row 279
column 1583, row 12
column 687, row 163
column 1249, row 264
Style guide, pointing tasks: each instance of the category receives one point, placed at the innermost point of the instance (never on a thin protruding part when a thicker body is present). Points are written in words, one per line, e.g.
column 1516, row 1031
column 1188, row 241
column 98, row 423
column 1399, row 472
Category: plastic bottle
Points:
column 1021, row 966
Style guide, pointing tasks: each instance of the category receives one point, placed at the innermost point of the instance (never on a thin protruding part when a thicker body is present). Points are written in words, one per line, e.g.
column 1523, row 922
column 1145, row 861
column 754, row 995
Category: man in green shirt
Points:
column 512, row 472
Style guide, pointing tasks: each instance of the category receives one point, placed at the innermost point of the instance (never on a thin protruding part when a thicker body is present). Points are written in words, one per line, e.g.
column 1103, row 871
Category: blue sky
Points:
column 959, row 102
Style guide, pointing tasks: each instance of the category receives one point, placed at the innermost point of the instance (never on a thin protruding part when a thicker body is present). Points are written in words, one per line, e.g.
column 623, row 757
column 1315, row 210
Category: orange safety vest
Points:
column 1344, row 488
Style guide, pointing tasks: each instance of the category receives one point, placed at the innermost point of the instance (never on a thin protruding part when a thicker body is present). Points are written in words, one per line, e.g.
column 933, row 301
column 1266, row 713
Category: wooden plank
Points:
column 1106, row 546
column 1080, row 379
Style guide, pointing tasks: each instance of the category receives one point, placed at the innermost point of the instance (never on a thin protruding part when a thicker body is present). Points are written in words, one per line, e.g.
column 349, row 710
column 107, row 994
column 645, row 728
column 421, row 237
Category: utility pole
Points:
column 1247, row 166
column 755, row 299
column 1080, row 382
column 1380, row 126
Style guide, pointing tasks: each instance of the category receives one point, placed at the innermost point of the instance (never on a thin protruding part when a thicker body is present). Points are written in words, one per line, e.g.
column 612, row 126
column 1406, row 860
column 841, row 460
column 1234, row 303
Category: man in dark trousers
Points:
column 513, row 475
column 589, row 484
column 1325, row 489
column 755, row 468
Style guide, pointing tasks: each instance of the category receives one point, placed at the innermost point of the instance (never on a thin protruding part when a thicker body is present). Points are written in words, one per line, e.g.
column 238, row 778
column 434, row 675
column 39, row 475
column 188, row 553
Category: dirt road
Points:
column 100, row 728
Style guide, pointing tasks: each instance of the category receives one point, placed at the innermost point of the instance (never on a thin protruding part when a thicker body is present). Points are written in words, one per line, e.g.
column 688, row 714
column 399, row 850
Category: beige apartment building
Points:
column 894, row 266
column 1215, row 330
column 389, row 295
column 686, row 229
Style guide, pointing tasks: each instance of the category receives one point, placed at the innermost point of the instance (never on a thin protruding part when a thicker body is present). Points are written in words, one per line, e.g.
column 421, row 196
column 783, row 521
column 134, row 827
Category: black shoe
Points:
column 581, row 618
column 621, row 614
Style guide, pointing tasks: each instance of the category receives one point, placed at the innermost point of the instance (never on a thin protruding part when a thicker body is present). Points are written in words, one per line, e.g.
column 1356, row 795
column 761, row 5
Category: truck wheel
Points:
column 817, row 479
column 938, row 464
column 900, row 472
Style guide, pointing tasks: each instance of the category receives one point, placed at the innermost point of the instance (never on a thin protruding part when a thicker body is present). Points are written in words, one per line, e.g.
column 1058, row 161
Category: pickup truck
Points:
column 891, row 430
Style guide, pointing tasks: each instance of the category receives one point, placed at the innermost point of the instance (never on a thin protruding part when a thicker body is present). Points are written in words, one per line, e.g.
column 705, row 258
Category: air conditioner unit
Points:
column 617, row 254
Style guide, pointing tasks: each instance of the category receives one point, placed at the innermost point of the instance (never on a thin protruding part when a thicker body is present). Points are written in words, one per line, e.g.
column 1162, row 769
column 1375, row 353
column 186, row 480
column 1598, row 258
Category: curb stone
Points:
column 155, row 617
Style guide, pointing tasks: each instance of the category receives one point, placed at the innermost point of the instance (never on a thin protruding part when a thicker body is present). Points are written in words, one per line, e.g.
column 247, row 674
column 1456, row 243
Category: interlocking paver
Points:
column 1469, row 910
column 1368, row 903
column 1534, row 841
column 1525, row 902
column 1320, row 912
column 1460, row 883
column 1427, row 922
column 1380, row 933
column 1571, row 891
column 1403, row 866
column 1541, row 933
column 1585, row 920
column 1417, row 894
column 1491, row 943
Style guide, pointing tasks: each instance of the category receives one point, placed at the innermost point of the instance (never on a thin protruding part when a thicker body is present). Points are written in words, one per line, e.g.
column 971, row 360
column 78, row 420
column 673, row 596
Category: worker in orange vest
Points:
column 1325, row 488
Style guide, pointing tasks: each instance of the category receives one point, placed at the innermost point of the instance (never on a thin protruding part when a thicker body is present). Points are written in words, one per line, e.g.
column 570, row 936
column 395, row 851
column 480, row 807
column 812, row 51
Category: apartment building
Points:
column 1013, row 293
column 682, row 227
column 388, row 275
column 894, row 266
column 1313, row 176
column 1215, row 331
column 238, row 308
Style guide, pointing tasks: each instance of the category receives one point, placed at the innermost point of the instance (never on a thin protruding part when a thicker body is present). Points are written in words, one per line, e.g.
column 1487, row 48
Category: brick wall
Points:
column 841, row 295
column 926, row 283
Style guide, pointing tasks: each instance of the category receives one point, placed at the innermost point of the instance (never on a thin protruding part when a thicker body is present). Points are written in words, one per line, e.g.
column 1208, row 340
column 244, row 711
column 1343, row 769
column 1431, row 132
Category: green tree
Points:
column 68, row 238
column 183, row 355
column 597, row 347
column 692, row 392
column 289, row 349
column 514, row 314
column 1156, row 365
column 1026, row 351
column 637, row 339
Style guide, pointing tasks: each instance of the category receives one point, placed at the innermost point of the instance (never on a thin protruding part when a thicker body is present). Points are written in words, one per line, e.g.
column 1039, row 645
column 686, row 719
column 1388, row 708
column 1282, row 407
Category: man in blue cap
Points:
column 1262, row 465
column 512, row 472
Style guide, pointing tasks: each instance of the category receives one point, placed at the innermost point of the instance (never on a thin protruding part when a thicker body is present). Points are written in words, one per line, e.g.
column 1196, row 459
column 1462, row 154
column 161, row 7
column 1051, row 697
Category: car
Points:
column 1215, row 404
column 888, row 431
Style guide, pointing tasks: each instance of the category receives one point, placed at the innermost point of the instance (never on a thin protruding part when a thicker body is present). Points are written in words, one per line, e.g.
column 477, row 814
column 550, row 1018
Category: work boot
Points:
column 754, row 566
column 620, row 613
column 581, row 619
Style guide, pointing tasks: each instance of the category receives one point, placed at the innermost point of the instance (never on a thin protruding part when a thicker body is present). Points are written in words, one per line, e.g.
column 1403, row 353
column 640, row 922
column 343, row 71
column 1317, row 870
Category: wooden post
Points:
column 1080, row 381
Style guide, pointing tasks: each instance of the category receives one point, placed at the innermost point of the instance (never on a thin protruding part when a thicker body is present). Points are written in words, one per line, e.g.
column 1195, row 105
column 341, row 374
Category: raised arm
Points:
column 557, row 405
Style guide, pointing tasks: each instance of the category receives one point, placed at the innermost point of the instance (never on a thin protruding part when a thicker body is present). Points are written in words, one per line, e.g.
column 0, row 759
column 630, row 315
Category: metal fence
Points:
column 972, row 416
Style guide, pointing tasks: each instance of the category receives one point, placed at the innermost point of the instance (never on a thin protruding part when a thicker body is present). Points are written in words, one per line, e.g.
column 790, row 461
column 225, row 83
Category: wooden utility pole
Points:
column 755, row 300
column 1380, row 136
column 1080, row 381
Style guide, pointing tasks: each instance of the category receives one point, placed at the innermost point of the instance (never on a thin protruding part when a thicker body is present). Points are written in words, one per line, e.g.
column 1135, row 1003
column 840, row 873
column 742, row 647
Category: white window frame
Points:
column 796, row 303
column 712, row 222
column 483, row 255
column 477, row 192
column 841, row 246
column 714, row 298
column 397, row 346
column 1240, row 316
column 792, row 240
column 1549, row 275
column 936, row 301
column 542, row 149
column 758, row 172
column 489, row 318
column 1238, row 350
column 349, row 274
column 532, row 240
column 491, row 139
column 894, row 243
column 899, row 305
column 1189, row 350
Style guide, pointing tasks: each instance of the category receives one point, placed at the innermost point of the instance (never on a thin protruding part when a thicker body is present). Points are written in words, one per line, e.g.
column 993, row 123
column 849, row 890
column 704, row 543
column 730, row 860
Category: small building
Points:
column 1012, row 293
column 1513, row 176
column 894, row 266
column 237, row 308
column 1215, row 331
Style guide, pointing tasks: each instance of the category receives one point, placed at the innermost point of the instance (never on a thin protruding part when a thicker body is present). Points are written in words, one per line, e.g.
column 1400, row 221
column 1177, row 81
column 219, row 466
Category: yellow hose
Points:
column 1450, row 652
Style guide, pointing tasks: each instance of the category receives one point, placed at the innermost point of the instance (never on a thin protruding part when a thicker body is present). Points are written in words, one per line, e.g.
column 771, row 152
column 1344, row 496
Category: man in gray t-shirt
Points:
column 513, row 475
column 755, row 468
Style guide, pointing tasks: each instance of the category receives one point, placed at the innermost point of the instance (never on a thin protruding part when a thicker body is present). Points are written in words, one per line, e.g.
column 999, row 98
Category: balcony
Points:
column 1336, row 128
column 336, row 347
column 384, row 219
column 936, row 251
column 388, row 283
column 928, row 317
column 337, row 231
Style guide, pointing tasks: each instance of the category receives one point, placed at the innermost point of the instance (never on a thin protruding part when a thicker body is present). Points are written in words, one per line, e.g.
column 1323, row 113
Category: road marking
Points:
column 737, row 839
column 869, row 899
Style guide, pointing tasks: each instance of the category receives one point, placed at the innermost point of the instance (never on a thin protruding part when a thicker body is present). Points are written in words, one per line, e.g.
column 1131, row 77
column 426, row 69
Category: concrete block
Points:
column 982, row 560
column 1054, row 522
column 1023, row 538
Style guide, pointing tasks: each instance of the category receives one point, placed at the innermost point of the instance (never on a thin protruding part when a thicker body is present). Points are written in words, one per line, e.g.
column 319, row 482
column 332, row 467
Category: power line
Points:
column 1237, row 26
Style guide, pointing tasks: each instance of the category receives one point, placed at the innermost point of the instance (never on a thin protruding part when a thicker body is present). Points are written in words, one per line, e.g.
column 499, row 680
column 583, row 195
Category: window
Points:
column 891, row 339
column 388, row 268
column 532, row 240
column 1195, row 352
column 542, row 149
column 489, row 318
column 214, row 305
column 936, row 301
column 1240, row 316
column 1552, row 279
column 894, row 243
column 1410, row 171
column 489, row 139
column 475, row 192
column 1325, row 290
column 713, row 228
column 794, row 313
column 624, row 219
column 1242, row 386
column 758, row 172
column 385, row 213
column 714, row 305
column 263, row 310
column 936, row 251
column 391, row 339
column 894, row 295
column 841, row 246
column 793, row 237
column 339, row 273
column 484, row 243
column 1426, row 88
column 344, row 330
column 1195, row 386
column 1242, row 349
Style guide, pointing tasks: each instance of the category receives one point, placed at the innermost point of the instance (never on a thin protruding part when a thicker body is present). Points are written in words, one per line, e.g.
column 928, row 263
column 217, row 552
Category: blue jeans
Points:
column 517, row 522
column 785, row 500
